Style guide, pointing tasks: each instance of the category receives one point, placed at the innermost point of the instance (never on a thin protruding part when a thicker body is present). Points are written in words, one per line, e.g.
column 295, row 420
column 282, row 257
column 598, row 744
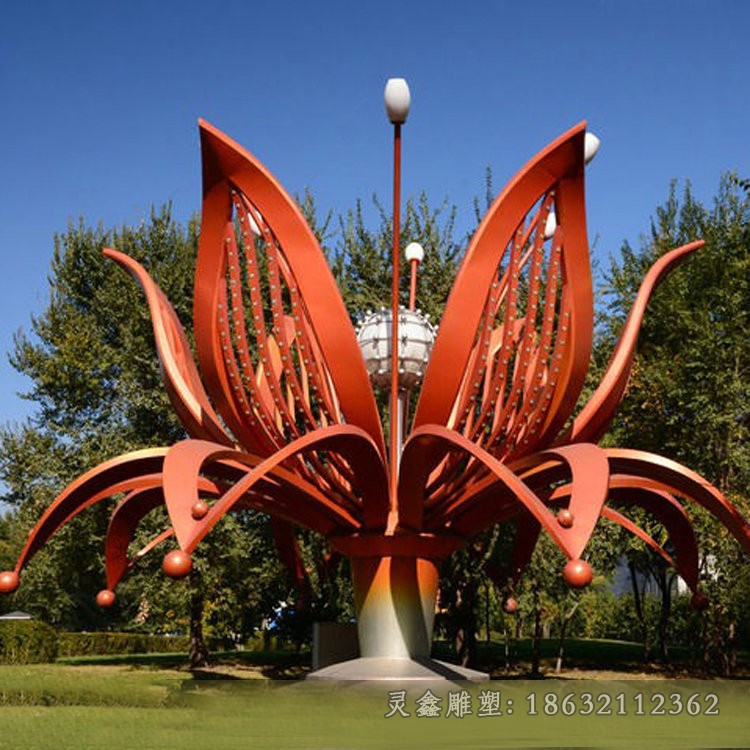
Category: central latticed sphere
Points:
column 416, row 337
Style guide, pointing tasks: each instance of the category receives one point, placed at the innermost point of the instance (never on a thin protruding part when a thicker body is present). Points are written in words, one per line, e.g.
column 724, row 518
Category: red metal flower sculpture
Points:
column 292, row 428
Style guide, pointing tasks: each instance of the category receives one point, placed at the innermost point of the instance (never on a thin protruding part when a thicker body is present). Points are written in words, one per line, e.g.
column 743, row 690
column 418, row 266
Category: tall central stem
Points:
column 394, row 406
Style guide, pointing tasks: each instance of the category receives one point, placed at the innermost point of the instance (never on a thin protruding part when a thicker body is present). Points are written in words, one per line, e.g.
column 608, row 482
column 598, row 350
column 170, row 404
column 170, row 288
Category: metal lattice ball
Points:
column 416, row 336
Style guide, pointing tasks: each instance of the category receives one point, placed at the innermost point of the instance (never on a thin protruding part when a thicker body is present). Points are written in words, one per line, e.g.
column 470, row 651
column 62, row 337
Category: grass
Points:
column 596, row 655
column 136, row 707
column 152, row 702
column 64, row 685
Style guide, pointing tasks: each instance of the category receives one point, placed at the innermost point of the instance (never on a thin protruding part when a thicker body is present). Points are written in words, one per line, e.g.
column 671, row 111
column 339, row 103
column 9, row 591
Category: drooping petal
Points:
column 275, row 343
column 655, row 500
column 468, row 515
column 124, row 522
column 125, row 473
column 596, row 416
column 635, row 530
column 679, row 480
column 285, row 538
column 186, row 460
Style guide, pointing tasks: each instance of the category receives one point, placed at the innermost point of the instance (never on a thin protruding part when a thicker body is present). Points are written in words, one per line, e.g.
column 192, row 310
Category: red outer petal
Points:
column 589, row 486
column 636, row 530
column 596, row 416
column 125, row 519
column 680, row 480
column 488, row 501
column 560, row 164
column 185, row 460
column 652, row 497
column 225, row 163
column 128, row 472
column 286, row 543
column 418, row 461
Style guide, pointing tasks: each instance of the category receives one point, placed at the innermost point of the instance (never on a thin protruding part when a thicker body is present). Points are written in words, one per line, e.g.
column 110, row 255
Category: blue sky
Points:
column 100, row 102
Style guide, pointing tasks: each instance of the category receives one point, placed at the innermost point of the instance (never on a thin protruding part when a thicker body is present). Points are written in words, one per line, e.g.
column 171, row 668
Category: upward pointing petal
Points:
column 326, row 345
column 179, row 371
column 596, row 416
column 485, row 297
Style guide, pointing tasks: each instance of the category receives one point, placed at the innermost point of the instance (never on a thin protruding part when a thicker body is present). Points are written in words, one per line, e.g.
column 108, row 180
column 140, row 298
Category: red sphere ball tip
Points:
column 177, row 564
column 9, row 582
column 199, row 509
column 699, row 601
column 105, row 598
column 577, row 573
column 510, row 605
column 565, row 518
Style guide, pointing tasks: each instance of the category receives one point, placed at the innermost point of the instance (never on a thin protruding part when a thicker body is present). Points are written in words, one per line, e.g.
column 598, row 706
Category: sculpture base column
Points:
column 395, row 597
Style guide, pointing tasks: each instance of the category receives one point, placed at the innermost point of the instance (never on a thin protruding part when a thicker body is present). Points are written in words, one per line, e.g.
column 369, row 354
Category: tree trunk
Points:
column 198, row 652
column 508, row 655
column 487, row 625
column 567, row 617
column 466, row 624
column 706, row 640
column 638, row 602
column 731, row 649
column 536, row 639
column 665, row 585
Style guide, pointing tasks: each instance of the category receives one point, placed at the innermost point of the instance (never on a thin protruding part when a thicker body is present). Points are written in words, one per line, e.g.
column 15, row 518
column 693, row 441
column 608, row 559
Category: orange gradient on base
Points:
column 395, row 602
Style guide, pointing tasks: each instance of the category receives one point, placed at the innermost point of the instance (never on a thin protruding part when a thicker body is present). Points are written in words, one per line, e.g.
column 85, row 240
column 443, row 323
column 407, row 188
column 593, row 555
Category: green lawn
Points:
column 153, row 702
column 137, row 708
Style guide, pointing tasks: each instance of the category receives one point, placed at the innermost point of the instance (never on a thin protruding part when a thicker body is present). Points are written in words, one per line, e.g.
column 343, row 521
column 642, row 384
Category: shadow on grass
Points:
column 586, row 655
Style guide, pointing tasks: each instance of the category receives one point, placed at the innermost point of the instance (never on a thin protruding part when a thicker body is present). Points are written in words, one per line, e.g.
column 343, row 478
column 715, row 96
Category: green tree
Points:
column 97, row 390
column 97, row 386
column 96, row 383
column 689, row 395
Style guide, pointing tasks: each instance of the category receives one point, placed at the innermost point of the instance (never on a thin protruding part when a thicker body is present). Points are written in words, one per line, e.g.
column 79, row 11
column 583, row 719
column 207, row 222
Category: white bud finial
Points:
column 397, row 100
column 550, row 225
column 414, row 251
column 590, row 146
column 253, row 225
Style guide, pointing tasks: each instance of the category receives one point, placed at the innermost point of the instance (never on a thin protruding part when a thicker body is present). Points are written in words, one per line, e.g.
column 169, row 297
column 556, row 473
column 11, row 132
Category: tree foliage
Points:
column 95, row 380
column 96, row 383
column 689, row 395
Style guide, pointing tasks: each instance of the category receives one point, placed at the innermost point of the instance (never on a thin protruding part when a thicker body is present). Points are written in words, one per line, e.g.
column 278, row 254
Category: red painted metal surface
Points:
column 284, row 420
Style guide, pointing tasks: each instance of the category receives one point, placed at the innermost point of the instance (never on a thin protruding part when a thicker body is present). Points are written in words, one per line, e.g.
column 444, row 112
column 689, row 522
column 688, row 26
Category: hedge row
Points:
column 27, row 642
column 98, row 644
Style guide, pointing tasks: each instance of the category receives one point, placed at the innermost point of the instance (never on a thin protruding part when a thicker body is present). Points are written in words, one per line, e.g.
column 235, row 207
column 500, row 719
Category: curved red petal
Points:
column 300, row 288
column 180, row 374
column 462, row 370
column 419, row 459
column 125, row 519
column 122, row 474
column 185, row 461
column 679, row 480
column 655, row 500
column 596, row 416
